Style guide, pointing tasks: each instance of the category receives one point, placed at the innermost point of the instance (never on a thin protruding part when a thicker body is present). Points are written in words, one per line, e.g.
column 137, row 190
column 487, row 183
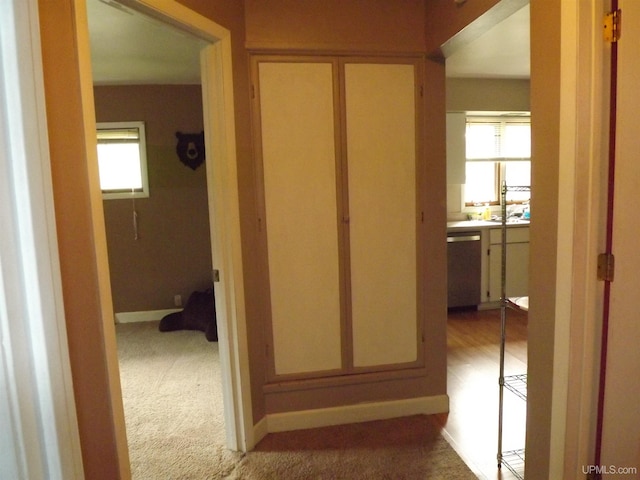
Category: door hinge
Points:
column 216, row 276
column 606, row 267
column 612, row 26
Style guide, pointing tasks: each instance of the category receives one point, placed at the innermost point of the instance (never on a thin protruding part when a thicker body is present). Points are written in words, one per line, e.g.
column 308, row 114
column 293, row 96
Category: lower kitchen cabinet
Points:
column 517, row 264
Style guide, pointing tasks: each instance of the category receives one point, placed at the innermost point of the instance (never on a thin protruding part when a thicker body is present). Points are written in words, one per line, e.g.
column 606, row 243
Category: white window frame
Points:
column 143, row 191
column 499, row 160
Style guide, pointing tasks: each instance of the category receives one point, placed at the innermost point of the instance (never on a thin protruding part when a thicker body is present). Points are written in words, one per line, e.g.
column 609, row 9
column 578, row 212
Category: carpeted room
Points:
column 159, row 253
column 175, row 427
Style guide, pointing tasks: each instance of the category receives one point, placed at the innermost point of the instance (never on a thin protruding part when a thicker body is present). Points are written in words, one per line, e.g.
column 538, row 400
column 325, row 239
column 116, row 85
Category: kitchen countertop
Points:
column 481, row 224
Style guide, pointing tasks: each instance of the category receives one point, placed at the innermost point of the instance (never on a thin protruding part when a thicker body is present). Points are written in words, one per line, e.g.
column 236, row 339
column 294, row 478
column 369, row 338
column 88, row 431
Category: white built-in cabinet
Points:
column 338, row 172
column 456, row 148
column 517, row 263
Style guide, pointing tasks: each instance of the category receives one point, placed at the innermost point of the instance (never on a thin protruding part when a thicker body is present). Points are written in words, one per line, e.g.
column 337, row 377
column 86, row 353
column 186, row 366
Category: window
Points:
column 497, row 149
column 122, row 160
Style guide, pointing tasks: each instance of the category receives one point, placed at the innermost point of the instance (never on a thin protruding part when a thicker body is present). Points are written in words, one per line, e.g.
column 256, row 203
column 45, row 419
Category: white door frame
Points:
column 219, row 121
column 583, row 142
column 37, row 408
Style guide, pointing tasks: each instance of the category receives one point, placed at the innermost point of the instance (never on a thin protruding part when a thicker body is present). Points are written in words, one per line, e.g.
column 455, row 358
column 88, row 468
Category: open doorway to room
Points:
column 177, row 387
column 487, row 92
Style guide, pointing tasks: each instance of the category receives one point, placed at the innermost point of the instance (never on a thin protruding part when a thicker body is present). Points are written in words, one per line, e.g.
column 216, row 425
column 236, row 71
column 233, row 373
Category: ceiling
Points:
column 501, row 52
column 128, row 47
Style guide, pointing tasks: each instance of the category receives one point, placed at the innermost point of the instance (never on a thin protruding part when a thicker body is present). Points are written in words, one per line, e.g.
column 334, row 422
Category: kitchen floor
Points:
column 473, row 362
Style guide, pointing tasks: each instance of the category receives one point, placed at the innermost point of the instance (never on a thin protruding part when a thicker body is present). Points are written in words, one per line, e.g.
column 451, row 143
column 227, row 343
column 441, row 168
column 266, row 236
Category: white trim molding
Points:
column 37, row 409
column 363, row 412
column 144, row 316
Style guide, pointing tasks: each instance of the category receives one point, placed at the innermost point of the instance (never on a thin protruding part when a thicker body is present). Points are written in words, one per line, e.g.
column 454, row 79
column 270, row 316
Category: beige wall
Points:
column 545, row 98
column 484, row 94
column 329, row 25
column 172, row 254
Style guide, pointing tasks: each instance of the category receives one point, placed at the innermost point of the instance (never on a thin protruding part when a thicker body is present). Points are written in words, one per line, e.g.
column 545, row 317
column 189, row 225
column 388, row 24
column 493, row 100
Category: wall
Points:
column 355, row 25
column 545, row 141
column 173, row 252
column 484, row 94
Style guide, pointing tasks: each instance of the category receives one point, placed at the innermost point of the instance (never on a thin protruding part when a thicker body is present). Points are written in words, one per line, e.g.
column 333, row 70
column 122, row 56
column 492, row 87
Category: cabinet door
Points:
column 381, row 164
column 517, row 271
column 299, row 169
column 456, row 148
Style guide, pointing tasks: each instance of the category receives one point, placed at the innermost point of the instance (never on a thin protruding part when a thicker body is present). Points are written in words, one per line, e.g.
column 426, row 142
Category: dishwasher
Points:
column 463, row 269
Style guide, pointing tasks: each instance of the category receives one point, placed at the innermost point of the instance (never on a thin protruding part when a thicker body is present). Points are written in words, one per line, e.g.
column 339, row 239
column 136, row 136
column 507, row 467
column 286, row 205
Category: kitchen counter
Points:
column 464, row 225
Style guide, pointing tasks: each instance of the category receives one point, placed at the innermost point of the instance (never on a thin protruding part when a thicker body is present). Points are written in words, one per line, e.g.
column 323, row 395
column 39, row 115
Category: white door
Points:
column 299, row 170
column 381, row 158
column 338, row 148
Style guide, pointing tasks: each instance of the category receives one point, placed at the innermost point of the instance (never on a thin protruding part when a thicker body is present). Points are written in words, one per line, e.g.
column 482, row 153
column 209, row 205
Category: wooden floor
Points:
column 473, row 372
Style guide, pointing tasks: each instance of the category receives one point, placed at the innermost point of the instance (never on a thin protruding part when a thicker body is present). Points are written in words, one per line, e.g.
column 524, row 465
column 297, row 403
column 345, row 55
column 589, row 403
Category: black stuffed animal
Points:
column 190, row 149
column 199, row 314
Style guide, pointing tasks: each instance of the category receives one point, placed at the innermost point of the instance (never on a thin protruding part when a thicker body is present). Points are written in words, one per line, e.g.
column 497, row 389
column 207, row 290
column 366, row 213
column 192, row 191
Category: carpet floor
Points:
column 175, row 428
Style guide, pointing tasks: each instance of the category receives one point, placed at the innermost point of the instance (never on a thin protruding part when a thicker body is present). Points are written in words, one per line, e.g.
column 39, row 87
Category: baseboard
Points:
column 260, row 430
column 364, row 412
column 146, row 316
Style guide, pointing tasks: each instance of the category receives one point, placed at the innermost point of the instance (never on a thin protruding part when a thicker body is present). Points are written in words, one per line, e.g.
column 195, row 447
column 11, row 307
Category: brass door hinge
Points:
column 612, row 26
column 606, row 267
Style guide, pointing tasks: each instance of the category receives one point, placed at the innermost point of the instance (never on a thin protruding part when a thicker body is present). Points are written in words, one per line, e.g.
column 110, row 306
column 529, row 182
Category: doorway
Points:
column 217, row 93
column 488, row 87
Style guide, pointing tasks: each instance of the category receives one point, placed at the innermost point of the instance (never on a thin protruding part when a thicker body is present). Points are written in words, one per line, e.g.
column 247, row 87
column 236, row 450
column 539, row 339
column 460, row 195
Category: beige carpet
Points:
column 175, row 429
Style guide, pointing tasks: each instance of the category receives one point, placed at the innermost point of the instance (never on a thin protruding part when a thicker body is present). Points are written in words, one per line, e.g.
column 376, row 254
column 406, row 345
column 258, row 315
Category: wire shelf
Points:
column 517, row 384
column 515, row 188
column 514, row 461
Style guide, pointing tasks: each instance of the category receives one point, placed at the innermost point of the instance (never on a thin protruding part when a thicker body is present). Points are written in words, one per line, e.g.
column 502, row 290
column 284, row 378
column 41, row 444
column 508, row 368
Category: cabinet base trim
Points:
column 365, row 412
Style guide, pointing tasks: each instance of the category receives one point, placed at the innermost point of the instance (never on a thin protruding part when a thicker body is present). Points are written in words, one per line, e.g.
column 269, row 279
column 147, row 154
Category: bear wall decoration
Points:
column 190, row 149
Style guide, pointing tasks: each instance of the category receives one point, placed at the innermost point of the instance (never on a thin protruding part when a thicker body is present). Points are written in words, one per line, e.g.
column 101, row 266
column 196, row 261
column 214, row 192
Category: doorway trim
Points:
column 219, row 122
column 37, row 406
